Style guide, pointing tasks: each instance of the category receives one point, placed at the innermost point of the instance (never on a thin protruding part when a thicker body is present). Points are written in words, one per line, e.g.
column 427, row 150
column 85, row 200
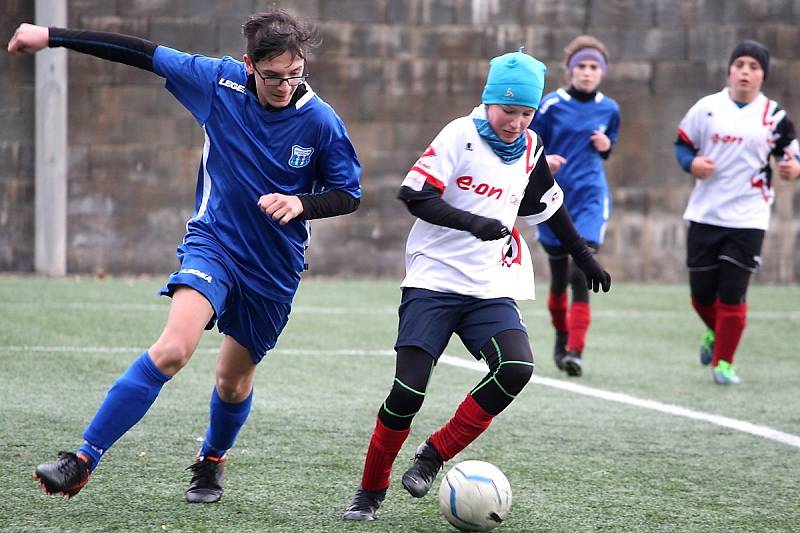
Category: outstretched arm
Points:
column 543, row 202
column 127, row 49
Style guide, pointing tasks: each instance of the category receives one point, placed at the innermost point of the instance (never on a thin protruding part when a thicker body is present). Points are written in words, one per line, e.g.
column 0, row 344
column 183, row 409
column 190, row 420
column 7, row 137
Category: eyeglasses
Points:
column 274, row 81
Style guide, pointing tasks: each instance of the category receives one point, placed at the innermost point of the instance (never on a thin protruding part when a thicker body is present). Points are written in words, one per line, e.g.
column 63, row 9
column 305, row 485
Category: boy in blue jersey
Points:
column 275, row 157
column 578, row 126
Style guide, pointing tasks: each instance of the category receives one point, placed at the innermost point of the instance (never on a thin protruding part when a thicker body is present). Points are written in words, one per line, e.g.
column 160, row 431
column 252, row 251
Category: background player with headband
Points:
column 275, row 157
column 725, row 141
column 465, row 266
column 578, row 125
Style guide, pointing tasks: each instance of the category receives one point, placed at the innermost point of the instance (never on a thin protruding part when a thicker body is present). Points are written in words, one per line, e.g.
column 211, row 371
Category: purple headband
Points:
column 588, row 54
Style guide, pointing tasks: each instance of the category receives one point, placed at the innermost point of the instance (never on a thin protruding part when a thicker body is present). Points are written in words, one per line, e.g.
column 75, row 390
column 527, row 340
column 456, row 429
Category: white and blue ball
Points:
column 475, row 496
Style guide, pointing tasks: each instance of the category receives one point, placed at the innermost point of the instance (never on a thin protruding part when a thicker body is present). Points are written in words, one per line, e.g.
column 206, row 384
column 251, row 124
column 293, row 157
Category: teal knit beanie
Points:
column 515, row 79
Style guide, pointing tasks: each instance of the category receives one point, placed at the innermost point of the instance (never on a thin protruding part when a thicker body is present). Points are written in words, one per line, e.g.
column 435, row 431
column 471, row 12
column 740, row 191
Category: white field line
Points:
column 382, row 310
column 724, row 421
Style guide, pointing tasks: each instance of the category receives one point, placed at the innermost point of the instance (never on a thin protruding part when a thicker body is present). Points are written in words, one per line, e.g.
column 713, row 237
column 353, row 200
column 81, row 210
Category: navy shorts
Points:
column 428, row 319
column 707, row 245
column 252, row 320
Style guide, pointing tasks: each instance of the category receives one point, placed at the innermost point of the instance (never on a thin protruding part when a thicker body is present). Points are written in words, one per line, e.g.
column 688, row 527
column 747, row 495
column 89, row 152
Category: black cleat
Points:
column 572, row 363
column 207, row 480
column 427, row 462
column 560, row 349
column 364, row 505
column 67, row 476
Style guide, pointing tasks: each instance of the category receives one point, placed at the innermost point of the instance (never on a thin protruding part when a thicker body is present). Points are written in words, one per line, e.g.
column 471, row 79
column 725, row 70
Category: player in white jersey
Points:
column 725, row 141
column 465, row 267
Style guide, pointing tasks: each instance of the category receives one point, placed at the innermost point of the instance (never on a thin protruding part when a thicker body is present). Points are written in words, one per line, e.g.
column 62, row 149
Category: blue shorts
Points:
column 253, row 321
column 428, row 319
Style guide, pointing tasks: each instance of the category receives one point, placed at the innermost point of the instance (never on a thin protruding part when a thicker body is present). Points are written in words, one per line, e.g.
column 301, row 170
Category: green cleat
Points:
column 724, row 374
column 707, row 348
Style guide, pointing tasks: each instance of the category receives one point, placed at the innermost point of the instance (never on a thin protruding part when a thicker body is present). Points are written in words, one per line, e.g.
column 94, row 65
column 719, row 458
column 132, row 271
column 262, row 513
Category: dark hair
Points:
column 273, row 33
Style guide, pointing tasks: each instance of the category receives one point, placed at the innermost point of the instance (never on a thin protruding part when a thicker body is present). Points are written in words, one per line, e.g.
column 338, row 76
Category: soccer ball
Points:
column 475, row 496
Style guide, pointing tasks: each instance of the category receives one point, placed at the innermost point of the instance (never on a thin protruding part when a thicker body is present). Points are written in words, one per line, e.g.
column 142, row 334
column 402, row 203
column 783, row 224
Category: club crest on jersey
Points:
column 300, row 156
column 512, row 253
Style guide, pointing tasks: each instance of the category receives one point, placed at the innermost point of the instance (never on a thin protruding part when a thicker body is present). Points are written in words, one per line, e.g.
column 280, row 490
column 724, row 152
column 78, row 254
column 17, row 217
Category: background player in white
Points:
column 464, row 269
column 578, row 125
column 275, row 156
column 725, row 141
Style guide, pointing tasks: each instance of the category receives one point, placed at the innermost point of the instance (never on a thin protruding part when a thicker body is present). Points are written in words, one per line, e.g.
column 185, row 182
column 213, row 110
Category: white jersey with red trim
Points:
column 473, row 178
column 739, row 193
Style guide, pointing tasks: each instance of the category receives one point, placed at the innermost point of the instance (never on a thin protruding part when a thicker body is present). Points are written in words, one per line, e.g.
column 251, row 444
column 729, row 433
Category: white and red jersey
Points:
column 739, row 193
column 471, row 177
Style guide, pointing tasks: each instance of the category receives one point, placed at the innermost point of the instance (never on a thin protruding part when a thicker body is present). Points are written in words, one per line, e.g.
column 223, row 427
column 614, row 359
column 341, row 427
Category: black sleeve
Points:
column 560, row 223
column 427, row 205
column 326, row 204
column 540, row 182
column 785, row 135
column 126, row 49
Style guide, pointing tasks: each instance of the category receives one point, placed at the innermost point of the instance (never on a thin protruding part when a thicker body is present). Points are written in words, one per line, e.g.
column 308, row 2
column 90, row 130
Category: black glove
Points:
column 596, row 277
column 488, row 229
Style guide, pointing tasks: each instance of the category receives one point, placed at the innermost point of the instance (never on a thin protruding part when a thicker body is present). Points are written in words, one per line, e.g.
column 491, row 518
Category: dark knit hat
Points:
column 754, row 49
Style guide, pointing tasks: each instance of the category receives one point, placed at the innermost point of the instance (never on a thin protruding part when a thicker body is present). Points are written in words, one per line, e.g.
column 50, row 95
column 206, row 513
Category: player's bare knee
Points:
column 234, row 389
column 170, row 356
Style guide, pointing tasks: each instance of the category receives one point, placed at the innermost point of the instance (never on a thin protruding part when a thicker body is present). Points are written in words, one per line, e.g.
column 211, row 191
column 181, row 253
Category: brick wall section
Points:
column 396, row 71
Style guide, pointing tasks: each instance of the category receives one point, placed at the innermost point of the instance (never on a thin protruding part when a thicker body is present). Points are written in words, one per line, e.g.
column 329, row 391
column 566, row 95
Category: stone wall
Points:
column 396, row 71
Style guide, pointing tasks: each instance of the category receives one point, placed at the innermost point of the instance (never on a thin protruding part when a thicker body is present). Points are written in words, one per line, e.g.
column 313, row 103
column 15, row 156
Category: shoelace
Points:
column 204, row 472
column 70, row 465
column 364, row 498
column 429, row 466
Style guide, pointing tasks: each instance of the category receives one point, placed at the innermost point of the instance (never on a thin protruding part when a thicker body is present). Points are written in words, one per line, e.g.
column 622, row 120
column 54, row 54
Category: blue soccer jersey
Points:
column 248, row 152
column 565, row 125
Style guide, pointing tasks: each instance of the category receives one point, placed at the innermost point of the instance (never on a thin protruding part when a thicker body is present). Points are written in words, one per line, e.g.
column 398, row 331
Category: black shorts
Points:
column 707, row 245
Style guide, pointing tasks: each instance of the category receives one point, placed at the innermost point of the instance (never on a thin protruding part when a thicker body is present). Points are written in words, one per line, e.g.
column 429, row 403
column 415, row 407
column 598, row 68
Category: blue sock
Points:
column 127, row 401
column 225, row 421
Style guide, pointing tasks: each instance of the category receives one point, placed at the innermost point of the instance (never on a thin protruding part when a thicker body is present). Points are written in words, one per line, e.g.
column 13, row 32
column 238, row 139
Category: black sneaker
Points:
column 67, row 476
column 560, row 349
column 207, row 480
column 572, row 363
column 427, row 462
column 364, row 505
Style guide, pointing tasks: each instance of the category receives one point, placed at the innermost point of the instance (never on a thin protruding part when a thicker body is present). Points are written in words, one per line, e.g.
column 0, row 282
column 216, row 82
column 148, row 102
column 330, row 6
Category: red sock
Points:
column 580, row 316
column 731, row 319
column 468, row 422
column 557, row 304
column 382, row 451
column 707, row 312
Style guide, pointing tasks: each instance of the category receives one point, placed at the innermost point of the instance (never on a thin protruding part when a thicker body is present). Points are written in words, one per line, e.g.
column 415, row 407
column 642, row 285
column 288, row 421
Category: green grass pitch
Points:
column 575, row 462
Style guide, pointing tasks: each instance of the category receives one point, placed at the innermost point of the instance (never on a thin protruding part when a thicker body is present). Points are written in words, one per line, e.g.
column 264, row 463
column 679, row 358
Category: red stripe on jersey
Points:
column 764, row 120
column 685, row 138
column 428, row 178
column 528, row 149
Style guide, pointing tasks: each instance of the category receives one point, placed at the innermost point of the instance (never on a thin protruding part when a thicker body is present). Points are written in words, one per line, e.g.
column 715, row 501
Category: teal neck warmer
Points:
column 508, row 152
